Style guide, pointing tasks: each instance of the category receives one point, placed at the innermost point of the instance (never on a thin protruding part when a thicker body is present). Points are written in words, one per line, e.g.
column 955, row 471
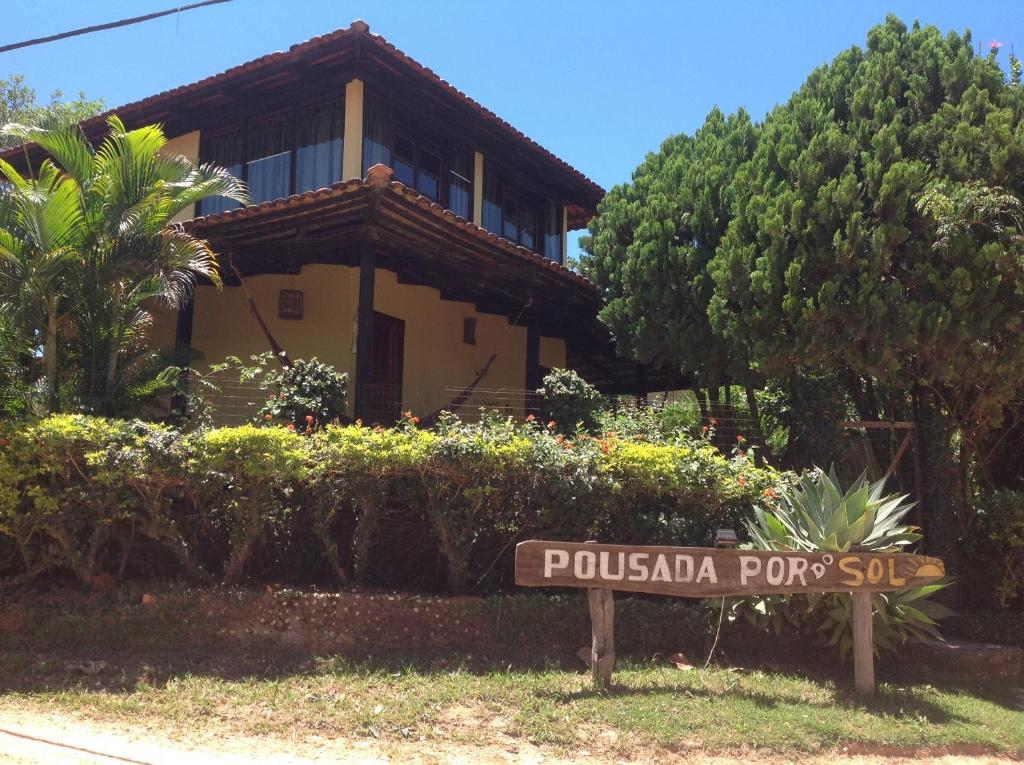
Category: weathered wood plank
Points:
column 863, row 645
column 602, row 628
column 700, row 572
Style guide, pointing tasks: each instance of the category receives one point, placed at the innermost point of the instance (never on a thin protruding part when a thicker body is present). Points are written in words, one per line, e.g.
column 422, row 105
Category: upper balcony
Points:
column 331, row 107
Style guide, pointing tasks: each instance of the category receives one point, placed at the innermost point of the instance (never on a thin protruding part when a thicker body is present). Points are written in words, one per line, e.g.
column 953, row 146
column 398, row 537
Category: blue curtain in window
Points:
column 492, row 205
column 225, row 150
column 319, row 145
column 459, row 186
column 269, row 172
column 375, row 136
column 553, row 233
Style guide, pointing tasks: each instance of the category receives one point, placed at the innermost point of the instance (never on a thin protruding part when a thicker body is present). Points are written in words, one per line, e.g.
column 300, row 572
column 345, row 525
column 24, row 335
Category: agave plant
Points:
column 816, row 515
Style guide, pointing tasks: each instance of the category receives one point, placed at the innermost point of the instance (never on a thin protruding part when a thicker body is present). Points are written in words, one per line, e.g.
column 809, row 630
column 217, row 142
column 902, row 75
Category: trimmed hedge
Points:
column 422, row 508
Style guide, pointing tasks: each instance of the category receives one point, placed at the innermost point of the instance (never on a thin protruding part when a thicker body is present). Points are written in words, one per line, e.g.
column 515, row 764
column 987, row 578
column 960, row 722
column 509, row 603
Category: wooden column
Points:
column 352, row 145
column 478, row 189
column 641, row 385
column 602, row 635
column 533, row 377
column 863, row 645
column 364, row 334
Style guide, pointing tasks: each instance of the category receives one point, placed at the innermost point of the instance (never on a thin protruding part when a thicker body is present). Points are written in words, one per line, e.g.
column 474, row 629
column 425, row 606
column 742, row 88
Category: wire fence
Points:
column 234, row 402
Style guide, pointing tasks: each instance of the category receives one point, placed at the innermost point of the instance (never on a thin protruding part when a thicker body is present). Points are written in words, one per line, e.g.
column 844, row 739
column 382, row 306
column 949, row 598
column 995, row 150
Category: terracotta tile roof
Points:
column 379, row 176
column 357, row 30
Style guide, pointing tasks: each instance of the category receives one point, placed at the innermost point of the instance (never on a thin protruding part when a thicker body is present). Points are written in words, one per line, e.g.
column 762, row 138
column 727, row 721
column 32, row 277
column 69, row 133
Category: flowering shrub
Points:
column 75, row 491
column 307, row 395
column 570, row 402
column 245, row 478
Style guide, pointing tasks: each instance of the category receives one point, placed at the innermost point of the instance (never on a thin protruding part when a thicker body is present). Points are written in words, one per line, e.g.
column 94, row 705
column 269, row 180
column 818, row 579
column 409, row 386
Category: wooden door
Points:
column 388, row 353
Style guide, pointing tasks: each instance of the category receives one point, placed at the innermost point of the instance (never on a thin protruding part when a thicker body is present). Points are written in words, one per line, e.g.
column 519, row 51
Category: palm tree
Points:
column 131, row 255
column 42, row 227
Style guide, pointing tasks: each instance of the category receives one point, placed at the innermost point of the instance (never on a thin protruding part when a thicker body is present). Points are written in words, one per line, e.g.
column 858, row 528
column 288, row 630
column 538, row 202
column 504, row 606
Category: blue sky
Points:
column 598, row 83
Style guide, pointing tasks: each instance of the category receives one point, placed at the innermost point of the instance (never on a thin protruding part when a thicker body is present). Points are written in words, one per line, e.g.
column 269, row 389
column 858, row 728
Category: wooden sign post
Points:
column 701, row 572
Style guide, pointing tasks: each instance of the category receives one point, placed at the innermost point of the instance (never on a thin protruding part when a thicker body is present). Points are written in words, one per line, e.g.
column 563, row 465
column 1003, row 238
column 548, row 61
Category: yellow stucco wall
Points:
column 187, row 145
column 162, row 333
column 437, row 363
column 223, row 325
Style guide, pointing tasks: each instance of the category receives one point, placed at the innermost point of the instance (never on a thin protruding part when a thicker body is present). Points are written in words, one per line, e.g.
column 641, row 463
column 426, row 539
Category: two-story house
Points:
column 399, row 231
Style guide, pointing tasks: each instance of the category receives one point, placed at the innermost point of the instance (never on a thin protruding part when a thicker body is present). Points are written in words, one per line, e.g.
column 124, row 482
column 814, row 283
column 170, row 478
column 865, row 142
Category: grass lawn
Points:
column 159, row 678
column 476, row 700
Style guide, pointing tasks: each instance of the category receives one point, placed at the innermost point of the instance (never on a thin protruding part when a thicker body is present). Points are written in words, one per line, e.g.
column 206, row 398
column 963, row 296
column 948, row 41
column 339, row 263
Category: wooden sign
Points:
column 701, row 572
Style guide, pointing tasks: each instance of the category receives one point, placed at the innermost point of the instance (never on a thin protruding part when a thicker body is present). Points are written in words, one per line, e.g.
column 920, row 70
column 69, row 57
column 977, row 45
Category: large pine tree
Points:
column 871, row 234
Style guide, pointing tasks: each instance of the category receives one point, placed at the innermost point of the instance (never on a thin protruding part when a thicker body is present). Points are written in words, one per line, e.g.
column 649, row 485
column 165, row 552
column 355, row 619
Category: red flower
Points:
column 415, row 420
column 704, row 429
column 551, row 425
column 714, row 421
column 742, row 481
column 407, row 414
column 530, row 418
column 309, row 418
column 770, row 493
column 290, row 426
column 605, row 448
column 4, row 441
column 268, row 417
column 740, row 439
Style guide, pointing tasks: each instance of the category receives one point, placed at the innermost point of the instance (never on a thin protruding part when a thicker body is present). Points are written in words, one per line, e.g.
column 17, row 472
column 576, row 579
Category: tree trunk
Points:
column 943, row 500
column 52, row 367
column 755, row 415
column 111, row 379
column 699, row 395
column 234, row 569
column 718, row 418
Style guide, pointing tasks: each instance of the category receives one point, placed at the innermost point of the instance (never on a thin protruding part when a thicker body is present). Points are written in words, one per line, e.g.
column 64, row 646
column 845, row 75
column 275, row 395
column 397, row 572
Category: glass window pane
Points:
column 459, row 186
column 528, row 228
column 318, row 152
column 492, row 204
column 553, row 233
column 405, row 161
column 428, row 177
column 269, row 169
column 510, row 227
column 223, row 149
column 375, row 134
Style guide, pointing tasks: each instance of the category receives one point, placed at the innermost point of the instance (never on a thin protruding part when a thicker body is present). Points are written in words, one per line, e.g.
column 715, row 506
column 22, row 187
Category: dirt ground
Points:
column 34, row 739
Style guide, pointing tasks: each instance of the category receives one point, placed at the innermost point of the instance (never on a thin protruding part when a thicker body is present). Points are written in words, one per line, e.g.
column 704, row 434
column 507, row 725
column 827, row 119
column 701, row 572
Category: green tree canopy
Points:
column 19, row 104
column 868, row 229
column 829, row 260
column 651, row 244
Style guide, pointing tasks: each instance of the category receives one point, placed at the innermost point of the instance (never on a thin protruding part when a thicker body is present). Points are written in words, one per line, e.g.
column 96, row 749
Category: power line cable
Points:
column 108, row 25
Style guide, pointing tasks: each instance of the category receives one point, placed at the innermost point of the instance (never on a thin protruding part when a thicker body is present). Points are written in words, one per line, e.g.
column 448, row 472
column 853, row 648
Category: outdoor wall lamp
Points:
column 726, row 538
